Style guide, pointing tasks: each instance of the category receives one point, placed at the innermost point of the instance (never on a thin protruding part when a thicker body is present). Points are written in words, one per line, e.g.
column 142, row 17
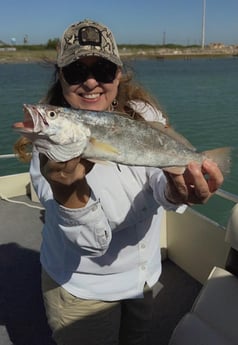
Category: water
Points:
column 199, row 95
column 20, row 83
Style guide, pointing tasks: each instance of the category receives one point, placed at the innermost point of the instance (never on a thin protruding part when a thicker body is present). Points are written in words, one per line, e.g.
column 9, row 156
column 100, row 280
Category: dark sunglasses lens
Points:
column 104, row 71
column 75, row 73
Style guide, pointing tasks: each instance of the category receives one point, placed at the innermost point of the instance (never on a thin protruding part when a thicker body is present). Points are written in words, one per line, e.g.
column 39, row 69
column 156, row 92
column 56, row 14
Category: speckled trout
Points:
column 63, row 133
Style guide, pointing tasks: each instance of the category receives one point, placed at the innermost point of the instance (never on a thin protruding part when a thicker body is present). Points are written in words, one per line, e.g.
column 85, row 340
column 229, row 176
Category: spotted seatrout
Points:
column 63, row 133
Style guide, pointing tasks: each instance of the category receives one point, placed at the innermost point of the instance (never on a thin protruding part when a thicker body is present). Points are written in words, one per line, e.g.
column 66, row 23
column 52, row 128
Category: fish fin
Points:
column 99, row 145
column 222, row 157
column 168, row 130
column 176, row 170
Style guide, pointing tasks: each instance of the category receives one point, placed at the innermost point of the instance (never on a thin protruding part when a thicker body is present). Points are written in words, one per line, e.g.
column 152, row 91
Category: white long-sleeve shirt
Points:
column 108, row 249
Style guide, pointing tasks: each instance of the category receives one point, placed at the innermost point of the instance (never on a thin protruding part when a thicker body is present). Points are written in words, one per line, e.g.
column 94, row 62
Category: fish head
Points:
column 52, row 129
column 51, row 122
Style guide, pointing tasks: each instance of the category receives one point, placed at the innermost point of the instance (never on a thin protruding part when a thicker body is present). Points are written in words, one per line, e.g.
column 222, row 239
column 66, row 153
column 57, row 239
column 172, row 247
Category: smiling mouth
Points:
column 91, row 95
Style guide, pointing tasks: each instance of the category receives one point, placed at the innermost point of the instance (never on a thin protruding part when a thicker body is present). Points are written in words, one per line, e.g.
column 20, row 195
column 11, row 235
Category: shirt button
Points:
column 94, row 208
column 142, row 245
column 143, row 267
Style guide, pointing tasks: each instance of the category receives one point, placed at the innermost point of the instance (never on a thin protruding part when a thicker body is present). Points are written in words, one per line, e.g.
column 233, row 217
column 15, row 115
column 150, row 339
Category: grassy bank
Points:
column 27, row 56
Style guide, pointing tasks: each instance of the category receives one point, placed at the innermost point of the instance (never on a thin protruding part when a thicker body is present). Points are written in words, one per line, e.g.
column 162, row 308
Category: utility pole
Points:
column 203, row 23
column 164, row 38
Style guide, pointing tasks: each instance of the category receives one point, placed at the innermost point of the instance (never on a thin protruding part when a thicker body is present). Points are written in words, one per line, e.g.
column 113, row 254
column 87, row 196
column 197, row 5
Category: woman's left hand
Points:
column 196, row 185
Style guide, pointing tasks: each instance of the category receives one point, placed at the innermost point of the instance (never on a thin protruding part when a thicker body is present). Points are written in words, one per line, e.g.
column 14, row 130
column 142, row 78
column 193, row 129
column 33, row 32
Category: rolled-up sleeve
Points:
column 86, row 227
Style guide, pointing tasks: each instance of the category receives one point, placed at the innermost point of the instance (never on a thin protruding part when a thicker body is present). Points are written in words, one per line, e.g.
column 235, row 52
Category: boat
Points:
column 199, row 298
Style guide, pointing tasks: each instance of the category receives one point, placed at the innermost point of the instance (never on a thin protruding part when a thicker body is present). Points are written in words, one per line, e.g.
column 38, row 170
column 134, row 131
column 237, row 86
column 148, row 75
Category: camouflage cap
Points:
column 87, row 38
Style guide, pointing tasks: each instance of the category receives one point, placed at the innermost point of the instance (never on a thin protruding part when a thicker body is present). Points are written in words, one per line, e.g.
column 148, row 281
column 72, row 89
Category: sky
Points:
column 131, row 21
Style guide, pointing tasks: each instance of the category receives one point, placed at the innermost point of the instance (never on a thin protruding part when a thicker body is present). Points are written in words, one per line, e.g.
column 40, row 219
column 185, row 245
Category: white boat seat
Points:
column 213, row 318
column 191, row 330
column 232, row 228
column 232, row 239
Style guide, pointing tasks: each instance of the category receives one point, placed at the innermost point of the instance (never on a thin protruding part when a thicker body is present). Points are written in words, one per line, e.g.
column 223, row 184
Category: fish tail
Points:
column 222, row 157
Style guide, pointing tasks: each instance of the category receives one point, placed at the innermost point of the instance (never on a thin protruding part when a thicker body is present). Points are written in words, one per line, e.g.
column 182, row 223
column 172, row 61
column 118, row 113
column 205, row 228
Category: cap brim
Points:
column 74, row 55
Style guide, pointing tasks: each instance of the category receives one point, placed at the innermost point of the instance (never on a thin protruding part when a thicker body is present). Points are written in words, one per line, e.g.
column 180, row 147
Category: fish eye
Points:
column 52, row 114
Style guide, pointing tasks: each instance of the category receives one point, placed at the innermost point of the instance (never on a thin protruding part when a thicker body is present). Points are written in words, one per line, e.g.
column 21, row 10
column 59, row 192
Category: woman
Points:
column 100, row 252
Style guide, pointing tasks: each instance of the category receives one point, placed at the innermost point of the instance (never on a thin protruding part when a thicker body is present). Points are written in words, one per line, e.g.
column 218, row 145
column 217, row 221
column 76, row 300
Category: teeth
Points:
column 91, row 96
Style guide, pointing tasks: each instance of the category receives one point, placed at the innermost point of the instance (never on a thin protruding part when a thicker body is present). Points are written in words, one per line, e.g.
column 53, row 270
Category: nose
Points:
column 91, row 82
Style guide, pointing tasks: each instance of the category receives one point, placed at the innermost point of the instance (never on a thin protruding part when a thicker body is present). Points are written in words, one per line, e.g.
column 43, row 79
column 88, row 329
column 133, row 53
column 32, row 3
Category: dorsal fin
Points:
column 172, row 134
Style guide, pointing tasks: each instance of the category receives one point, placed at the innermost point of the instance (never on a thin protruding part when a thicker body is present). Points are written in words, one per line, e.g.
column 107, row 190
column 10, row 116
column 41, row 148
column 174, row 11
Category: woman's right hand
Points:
column 67, row 180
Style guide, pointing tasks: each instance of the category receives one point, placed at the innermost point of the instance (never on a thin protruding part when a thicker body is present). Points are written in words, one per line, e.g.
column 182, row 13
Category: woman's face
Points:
column 90, row 94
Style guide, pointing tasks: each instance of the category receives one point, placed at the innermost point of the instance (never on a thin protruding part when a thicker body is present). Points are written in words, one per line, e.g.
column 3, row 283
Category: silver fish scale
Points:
column 136, row 142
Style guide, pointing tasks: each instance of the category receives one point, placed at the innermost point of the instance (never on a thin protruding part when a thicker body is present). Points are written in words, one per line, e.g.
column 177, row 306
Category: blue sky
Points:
column 132, row 21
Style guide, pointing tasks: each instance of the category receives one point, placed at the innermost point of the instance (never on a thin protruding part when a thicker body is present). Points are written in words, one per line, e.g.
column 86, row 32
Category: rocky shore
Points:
column 30, row 56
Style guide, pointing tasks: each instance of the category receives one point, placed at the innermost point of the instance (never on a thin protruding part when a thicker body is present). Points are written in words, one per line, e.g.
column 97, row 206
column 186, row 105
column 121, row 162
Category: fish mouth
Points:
column 33, row 121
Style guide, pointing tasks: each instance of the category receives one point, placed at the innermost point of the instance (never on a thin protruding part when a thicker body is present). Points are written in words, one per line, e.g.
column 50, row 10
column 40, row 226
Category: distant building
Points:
column 4, row 47
column 2, row 43
column 216, row 45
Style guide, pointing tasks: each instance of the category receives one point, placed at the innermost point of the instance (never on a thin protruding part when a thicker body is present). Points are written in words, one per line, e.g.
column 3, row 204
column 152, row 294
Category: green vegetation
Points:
column 154, row 46
column 53, row 43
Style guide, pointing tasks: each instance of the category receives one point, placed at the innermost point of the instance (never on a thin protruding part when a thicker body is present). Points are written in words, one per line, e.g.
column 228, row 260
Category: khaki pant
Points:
column 76, row 321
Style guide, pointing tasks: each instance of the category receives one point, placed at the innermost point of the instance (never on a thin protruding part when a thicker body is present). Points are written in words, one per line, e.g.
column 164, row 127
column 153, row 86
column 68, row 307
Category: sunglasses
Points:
column 77, row 72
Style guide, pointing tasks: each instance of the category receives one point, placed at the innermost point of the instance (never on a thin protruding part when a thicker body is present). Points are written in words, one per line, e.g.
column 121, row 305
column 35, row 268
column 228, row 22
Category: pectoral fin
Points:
column 101, row 146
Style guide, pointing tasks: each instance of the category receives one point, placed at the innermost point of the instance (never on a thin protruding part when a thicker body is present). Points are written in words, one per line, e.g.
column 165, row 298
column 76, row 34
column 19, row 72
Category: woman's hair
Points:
column 128, row 90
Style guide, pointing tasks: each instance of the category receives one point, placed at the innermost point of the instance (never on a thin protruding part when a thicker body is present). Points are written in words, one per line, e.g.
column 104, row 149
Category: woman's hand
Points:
column 196, row 185
column 67, row 180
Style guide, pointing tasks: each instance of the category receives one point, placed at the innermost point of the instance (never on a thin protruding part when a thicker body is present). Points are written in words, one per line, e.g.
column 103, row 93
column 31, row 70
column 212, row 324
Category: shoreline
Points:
column 31, row 56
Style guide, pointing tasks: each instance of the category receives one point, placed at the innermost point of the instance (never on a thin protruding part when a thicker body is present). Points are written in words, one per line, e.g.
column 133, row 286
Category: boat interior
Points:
column 198, row 303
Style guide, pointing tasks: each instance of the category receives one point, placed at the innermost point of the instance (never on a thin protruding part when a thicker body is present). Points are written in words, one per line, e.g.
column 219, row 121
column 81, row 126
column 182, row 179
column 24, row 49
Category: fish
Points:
column 111, row 137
